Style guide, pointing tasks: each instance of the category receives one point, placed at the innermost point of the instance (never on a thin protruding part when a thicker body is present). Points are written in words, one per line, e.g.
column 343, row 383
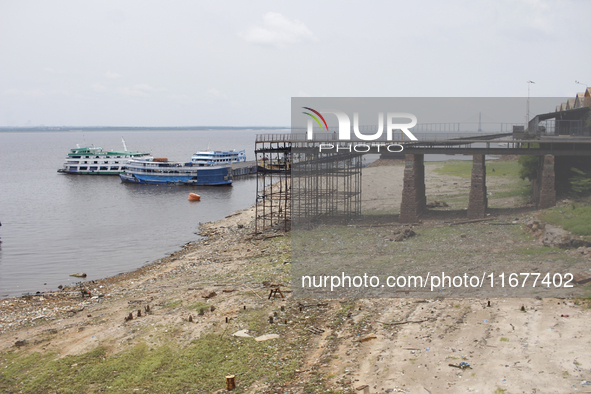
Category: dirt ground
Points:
column 511, row 345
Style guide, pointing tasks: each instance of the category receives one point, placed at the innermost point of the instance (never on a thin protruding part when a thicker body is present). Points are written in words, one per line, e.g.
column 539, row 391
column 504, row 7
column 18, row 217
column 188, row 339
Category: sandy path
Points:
column 536, row 351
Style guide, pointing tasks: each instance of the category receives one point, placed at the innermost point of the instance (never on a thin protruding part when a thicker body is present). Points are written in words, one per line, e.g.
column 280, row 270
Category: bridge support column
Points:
column 478, row 200
column 546, row 183
column 414, row 201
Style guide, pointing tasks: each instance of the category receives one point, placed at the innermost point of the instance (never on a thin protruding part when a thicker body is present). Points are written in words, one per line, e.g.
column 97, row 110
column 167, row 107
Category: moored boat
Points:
column 160, row 171
column 215, row 158
column 93, row 160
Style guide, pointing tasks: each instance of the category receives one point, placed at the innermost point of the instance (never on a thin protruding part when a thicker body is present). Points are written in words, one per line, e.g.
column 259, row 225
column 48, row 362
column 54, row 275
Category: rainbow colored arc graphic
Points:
column 315, row 118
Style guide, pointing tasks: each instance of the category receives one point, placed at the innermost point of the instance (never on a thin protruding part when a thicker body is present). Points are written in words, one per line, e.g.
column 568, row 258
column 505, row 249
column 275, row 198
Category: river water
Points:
column 55, row 224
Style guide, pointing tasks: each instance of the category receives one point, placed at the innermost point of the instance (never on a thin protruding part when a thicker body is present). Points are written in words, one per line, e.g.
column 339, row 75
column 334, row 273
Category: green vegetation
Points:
column 459, row 168
column 533, row 251
column 504, row 175
column 576, row 219
column 528, row 167
column 173, row 304
column 198, row 305
column 580, row 182
column 200, row 367
column 463, row 168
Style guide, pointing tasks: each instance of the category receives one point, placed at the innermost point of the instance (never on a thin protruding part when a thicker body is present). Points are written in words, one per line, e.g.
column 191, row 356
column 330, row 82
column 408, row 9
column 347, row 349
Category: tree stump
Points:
column 230, row 382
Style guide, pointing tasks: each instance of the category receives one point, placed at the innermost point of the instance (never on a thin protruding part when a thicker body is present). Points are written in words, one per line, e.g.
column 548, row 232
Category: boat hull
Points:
column 200, row 177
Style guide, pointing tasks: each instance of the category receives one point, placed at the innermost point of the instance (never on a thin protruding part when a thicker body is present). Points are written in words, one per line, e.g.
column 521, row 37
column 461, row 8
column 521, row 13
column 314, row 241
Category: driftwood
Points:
column 274, row 292
column 257, row 294
column 308, row 306
column 470, row 221
column 403, row 322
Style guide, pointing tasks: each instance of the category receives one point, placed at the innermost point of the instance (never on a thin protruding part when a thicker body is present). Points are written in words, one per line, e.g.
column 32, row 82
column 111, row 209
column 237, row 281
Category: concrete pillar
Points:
column 414, row 201
column 478, row 200
column 546, row 183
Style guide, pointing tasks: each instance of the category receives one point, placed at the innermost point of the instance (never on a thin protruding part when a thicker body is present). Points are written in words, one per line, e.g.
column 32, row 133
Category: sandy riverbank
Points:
column 536, row 345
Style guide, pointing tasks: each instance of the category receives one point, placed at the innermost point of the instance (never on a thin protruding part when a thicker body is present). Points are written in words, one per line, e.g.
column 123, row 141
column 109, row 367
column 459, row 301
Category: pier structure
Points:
column 315, row 184
column 296, row 180
column 243, row 168
column 273, row 198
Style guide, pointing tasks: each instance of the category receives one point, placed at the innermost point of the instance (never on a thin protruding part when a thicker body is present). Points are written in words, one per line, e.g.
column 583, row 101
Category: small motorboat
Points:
column 194, row 197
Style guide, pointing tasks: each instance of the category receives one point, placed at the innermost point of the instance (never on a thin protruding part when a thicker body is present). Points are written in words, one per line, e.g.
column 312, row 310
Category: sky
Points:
column 239, row 63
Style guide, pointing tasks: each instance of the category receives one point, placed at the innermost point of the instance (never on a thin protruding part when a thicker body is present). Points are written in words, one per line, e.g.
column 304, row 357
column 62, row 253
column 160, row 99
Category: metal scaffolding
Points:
column 273, row 161
column 324, row 184
column 298, row 183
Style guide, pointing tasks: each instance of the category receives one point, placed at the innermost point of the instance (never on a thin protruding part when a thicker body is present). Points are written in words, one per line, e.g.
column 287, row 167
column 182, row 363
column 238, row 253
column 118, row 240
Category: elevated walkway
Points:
column 296, row 147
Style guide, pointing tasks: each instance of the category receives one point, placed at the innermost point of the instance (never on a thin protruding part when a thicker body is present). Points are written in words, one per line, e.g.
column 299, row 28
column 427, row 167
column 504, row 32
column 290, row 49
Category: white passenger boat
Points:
column 93, row 160
column 217, row 157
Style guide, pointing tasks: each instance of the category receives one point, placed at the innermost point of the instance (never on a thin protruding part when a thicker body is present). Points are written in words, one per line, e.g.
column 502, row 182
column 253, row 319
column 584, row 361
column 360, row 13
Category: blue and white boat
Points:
column 215, row 158
column 160, row 171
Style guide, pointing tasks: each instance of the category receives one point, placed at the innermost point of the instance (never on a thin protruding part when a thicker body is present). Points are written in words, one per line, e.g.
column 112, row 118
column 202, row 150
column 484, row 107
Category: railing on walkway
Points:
column 398, row 136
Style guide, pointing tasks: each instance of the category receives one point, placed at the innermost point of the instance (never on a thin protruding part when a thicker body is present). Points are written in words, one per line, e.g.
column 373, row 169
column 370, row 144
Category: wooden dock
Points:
column 244, row 168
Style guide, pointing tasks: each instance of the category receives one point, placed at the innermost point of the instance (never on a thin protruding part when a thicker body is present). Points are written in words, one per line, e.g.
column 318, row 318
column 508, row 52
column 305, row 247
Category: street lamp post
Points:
column 527, row 114
column 580, row 83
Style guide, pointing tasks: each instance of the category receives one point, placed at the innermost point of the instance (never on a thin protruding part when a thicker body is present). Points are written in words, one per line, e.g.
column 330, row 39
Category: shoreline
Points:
column 201, row 297
column 99, row 288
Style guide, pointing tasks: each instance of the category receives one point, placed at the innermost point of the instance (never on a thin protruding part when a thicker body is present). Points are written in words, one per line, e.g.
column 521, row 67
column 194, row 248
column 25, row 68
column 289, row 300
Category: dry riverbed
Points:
column 192, row 303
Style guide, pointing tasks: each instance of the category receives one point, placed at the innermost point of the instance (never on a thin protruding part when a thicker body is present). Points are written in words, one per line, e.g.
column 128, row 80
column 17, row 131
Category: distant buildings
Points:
column 571, row 118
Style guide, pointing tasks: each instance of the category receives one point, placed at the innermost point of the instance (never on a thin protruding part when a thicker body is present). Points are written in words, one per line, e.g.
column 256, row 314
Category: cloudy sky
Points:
column 238, row 63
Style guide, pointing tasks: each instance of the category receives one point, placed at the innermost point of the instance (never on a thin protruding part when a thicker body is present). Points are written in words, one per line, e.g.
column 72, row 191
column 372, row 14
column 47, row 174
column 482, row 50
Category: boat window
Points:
column 72, row 168
column 96, row 162
column 93, row 168
column 83, row 168
column 104, row 168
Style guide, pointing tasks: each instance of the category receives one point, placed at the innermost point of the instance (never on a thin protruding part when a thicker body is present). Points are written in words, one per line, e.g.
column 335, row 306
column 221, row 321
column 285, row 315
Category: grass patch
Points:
column 573, row 218
column 536, row 250
column 503, row 339
column 173, row 304
column 200, row 368
column 198, row 305
column 521, row 189
column 463, row 169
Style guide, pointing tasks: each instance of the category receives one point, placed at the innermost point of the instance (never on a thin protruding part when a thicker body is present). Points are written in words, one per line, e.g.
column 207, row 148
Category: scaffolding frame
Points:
column 296, row 183
column 324, row 184
column 273, row 208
